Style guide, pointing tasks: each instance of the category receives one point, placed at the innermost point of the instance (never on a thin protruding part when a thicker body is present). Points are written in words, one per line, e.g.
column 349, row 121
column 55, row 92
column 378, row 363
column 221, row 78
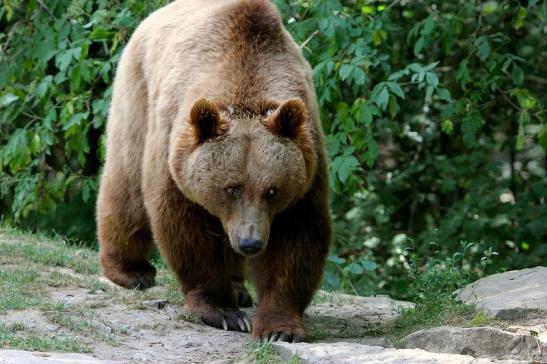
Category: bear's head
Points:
column 245, row 164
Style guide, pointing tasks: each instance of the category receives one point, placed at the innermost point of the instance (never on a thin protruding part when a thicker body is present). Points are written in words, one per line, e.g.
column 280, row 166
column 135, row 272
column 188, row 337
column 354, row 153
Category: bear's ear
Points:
column 288, row 119
column 205, row 119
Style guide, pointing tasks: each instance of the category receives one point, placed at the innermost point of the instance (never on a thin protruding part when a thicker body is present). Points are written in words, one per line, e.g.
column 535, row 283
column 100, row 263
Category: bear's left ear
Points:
column 288, row 119
column 205, row 119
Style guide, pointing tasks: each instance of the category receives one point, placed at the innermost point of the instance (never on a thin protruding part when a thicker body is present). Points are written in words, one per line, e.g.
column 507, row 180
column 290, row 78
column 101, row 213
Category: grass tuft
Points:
column 264, row 353
column 16, row 336
column 21, row 288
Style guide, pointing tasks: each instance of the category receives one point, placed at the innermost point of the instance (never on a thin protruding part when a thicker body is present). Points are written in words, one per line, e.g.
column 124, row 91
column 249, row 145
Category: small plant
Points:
column 434, row 284
column 480, row 319
column 264, row 353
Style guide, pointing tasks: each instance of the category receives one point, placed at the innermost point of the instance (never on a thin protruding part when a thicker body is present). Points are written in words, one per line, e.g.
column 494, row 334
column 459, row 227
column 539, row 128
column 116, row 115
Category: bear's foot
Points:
column 277, row 328
column 242, row 296
column 227, row 319
column 287, row 335
column 133, row 275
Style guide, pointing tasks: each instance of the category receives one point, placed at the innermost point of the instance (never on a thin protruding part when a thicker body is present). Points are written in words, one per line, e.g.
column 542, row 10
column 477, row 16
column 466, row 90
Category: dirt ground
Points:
column 54, row 299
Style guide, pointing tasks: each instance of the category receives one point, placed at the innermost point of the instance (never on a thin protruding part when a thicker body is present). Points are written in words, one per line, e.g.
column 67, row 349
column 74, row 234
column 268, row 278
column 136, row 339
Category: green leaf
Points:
column 470, row 124
column 462, row 75
column 524, row 98
column 396, row 89
column 345, row 166
column 369, row 265
column 447, row 126
column 355, row 268
column 415, row 67
column 432, row 79
column 380, row 95
column 43, row 86
column 368, row 111
column 63, row 59
column 419, row 45
column 7, row 99
column 517, row 74
column 336, row 259
column 443, row 94
column 521, row 17
column 35, row 144
column 430, row 66
column 368, row 9
column 359, row 76
column 99, row 33
column 484, row 47
column 489, row 7
column 393, row 107
column 345, row 71
column 372, row 152
column 399, row 74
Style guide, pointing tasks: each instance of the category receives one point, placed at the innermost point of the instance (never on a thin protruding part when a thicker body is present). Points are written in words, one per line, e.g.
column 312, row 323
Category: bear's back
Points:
column 184, row 42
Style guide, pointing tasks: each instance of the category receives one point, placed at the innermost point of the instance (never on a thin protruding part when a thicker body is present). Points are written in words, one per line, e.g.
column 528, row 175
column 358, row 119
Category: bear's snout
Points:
column 250, row 246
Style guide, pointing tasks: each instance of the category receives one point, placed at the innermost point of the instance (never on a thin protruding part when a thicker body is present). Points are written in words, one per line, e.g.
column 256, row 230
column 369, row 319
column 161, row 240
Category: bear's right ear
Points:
column 205, row 119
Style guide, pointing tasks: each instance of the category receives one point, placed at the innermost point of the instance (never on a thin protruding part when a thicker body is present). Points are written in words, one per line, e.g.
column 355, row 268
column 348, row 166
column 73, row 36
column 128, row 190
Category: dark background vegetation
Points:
column 434, row 112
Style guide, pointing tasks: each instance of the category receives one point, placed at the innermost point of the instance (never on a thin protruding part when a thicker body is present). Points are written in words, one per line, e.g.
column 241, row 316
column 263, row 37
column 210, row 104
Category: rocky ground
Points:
column 56, row 308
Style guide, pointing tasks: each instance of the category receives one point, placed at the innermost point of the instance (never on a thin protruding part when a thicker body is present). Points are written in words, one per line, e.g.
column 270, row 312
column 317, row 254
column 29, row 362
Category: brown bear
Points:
column 214, row 152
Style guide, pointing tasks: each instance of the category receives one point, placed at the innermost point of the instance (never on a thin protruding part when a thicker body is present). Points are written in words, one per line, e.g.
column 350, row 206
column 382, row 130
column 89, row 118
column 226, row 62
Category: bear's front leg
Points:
column 192, row 243
column 289, row 271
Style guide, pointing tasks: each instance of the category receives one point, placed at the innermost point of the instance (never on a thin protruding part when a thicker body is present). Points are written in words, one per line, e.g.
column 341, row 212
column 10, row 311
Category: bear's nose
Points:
column 250, row 246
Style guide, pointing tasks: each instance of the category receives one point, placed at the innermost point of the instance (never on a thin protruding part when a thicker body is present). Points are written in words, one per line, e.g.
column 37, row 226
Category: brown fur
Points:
column 213, row 99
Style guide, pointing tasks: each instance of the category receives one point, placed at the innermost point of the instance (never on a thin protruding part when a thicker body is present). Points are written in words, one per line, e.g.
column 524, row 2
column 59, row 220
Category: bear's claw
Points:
column 287, row 336
column 227, row 319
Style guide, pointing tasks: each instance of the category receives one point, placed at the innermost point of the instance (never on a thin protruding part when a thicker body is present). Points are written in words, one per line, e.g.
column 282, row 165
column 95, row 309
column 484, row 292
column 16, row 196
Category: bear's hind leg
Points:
column 124, row 237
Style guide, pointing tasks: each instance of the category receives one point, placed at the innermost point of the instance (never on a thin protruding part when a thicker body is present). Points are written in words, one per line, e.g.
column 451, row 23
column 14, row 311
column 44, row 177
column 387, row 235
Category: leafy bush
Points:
column 57, row 67
column 434, row 114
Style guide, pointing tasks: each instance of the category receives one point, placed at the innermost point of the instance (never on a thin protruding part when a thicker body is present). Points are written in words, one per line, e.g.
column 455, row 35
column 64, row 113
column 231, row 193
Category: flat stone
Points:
column 480, row 342
column 157, row 303
column 511, row 295
column 346, row 316
column 35, row 357
column 350, row 353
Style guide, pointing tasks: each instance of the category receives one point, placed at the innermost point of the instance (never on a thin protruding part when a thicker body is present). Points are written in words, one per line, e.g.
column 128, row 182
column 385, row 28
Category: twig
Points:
column 43, row 6
column 510, row 102
column 479, row 21
column 308, row 39
column 537, row 79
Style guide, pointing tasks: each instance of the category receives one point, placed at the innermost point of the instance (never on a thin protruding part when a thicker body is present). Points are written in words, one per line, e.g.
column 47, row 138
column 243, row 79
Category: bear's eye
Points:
column 233, row 192
column 271, row 193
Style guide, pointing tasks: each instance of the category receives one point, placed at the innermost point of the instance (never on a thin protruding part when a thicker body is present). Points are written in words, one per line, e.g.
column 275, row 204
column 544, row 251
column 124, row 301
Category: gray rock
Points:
column 349, row 353
column 27, row 357
column 157, row 303
column 511, row 295
column 336, row 315
column 102, row 329
column 480, row 342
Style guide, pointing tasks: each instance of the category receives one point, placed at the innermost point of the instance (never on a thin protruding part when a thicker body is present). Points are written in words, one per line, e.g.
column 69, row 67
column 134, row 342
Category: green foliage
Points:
column 434, row 113
column 55, row 83
column 432, row 286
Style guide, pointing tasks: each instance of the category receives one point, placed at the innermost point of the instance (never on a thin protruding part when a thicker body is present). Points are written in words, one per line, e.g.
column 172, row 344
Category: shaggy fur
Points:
column 213, row 139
